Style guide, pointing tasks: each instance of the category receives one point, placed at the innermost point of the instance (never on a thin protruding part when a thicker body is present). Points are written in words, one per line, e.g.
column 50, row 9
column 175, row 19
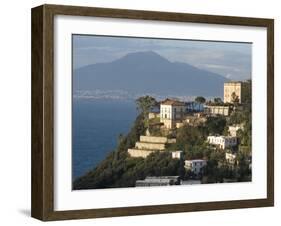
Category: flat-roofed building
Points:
column 190, row 182
column 217, row 110
column 230, row 157
column 177, row 154
column 158, row 181
column 233, row 129
column 152, row 115
column 195, row 165
column 154, row 112
column 235, row 87
column 222, row 141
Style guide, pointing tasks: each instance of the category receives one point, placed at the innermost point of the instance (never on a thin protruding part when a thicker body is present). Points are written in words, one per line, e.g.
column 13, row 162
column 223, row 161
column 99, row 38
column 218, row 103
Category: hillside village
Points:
column 166, row 118
column 181, row 143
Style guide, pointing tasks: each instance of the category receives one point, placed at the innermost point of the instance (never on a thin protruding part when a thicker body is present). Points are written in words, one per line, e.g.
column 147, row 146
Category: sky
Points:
column 229, row 59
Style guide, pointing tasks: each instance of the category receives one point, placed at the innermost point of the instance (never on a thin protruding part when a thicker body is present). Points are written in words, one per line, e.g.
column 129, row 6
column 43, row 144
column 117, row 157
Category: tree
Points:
column 190, row 136
column 244, row 172
column 145, row 103
column 234, row 98
column 248, row 92
column 216, row 125
column 200, row 100
column 247, row 100
column 237, row 117
column 218, row 100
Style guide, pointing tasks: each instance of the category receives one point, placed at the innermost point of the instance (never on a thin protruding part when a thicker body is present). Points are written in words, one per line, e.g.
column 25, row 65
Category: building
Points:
column 238, row 88
column 230, row 157
column 179, row 125
column 222, row 142
column 217, row 110
column 148, row 145
column 152, row 115
column 193, row 106
column 190, row 182
column 195, row 165
column 233, row 129
column 158, row 181
column 171, row 112
column 177, row 154
column 199, row 114
column 154, row 112
column 195, row 120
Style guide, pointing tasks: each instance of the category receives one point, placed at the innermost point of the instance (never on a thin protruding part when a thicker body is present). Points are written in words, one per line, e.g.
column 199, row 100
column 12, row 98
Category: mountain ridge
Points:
column 148, row 72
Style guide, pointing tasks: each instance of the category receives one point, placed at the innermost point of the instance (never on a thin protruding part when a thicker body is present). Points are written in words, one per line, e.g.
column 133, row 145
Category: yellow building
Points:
column 234, row 87
column 217, row 110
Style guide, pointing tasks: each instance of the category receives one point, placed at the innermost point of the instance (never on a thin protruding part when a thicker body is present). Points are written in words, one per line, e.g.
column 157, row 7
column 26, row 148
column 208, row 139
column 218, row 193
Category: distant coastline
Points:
column 98, row 94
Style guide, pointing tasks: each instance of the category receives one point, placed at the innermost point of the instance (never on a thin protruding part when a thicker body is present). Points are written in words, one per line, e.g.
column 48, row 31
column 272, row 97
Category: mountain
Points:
column 148, row 72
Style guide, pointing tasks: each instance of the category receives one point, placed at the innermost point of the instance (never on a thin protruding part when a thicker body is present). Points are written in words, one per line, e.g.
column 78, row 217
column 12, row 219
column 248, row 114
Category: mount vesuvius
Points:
column 148, row 72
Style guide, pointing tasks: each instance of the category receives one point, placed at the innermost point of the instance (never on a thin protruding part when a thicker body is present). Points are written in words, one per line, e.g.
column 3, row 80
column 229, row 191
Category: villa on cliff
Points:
column 170, row 115
column 174, row 113
column 171, row 112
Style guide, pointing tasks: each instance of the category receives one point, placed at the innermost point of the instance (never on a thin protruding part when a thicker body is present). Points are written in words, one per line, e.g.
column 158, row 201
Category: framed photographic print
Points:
column 141, row 112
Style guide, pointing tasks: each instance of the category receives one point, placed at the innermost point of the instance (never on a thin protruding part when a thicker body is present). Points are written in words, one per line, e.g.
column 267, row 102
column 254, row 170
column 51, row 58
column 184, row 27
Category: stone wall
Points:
column 168, row 123
column 139, row 153
column 150, row 146
column 153, row 139
column 172, row 141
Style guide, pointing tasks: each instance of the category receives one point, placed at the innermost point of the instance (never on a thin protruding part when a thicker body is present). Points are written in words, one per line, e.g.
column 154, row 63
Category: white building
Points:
column 177, row 154
column 195, row 165
column 230, row 157
column 171, row 112
column 222, row 141
column 233, row 129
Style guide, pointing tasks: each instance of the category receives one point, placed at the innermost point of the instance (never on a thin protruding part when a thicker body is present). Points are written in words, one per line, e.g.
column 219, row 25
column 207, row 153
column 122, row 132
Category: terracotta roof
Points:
column 172, row 102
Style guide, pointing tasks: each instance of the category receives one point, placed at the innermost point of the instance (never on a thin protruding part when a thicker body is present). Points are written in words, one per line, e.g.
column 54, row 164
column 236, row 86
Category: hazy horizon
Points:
column 229, row 59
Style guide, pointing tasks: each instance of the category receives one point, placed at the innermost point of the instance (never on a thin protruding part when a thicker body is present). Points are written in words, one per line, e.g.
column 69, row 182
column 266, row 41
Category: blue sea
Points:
column 96, row 127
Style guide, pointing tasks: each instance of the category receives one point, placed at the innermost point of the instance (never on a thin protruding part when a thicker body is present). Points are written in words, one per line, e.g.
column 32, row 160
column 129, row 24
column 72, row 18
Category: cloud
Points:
column 232, row 60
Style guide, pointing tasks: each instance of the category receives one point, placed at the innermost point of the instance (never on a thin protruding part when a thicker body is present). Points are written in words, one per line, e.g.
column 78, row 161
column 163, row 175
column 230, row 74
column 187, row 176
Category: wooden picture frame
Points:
column 43, row 112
